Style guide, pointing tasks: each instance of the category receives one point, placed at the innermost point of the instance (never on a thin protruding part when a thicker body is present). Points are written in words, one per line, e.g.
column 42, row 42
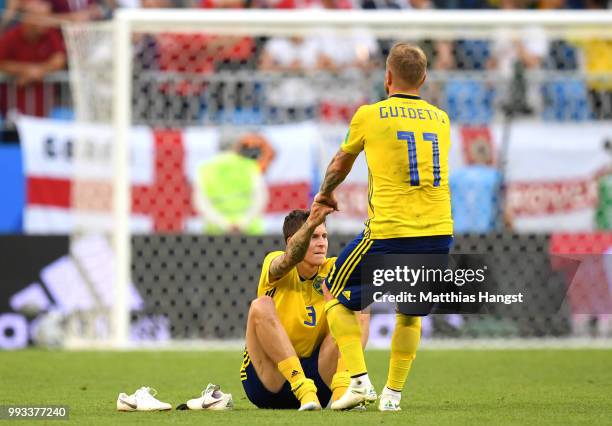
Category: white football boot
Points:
column 212, row 399
column 355, row 395
column 126, row 402
column 142, row 400
column 310, row 406
column 360, row 407
column 389, row 400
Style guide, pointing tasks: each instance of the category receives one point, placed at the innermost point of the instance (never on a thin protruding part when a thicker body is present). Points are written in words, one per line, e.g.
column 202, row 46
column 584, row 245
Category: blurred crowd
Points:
column 194, row 78
column 31, row 49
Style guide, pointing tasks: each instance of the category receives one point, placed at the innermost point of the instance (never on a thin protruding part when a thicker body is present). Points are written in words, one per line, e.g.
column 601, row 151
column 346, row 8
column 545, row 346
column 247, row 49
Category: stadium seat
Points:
column 469, row 101
column 565, row 100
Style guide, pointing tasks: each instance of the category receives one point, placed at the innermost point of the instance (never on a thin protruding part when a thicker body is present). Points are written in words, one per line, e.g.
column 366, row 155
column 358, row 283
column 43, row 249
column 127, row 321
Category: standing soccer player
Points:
column 406, row 142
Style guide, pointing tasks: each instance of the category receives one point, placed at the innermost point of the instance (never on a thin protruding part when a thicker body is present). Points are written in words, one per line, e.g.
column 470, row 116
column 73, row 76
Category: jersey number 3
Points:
column 313, row 316
column 413, row 164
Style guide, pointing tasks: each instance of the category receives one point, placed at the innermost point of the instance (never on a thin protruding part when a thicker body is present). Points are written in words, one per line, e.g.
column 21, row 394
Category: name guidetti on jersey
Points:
column 402, row 284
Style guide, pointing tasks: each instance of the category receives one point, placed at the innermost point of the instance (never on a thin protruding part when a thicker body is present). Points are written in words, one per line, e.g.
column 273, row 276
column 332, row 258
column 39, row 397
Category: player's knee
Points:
column 262, row 307
column 403, row 320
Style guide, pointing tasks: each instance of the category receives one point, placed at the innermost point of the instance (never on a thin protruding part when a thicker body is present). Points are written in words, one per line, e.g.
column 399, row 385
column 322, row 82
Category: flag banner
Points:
column 551, row 175
column 68, row 172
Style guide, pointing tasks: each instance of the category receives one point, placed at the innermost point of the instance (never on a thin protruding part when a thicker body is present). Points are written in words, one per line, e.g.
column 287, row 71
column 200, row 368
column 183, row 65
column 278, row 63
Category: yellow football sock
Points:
column 291, row 369
column 344, row 326
column 340, row 382
column 304, row 389
column 404, row 344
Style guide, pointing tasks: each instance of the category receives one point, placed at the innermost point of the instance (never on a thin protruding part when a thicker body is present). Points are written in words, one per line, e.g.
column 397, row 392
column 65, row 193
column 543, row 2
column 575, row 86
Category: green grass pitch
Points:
column 445, row 387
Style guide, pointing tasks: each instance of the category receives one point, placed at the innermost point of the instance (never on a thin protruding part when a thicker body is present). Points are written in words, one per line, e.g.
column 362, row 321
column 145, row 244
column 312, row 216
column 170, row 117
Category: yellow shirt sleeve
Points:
column 264, row 279
column 355, row 138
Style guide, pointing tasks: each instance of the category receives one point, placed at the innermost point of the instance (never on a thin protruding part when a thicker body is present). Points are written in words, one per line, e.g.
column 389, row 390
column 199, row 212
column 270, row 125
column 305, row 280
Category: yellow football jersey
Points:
column 406, row 142
column 299, row 303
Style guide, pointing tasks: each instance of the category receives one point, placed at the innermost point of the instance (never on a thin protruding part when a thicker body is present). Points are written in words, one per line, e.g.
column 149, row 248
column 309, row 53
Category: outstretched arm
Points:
column 298, row 243
column 337, row 171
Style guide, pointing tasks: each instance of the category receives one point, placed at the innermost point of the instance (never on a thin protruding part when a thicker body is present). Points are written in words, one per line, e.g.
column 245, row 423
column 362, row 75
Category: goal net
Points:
column 199, row 130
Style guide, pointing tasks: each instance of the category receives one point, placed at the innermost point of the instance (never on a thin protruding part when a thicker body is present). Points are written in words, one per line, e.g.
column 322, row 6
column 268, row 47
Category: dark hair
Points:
column 293, row 222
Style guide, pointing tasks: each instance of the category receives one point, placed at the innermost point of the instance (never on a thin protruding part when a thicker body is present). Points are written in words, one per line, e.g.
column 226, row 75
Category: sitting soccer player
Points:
column 291, row 360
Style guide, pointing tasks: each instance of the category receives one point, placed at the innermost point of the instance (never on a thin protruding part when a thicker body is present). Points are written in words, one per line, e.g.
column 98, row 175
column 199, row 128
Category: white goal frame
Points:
column 266, row 22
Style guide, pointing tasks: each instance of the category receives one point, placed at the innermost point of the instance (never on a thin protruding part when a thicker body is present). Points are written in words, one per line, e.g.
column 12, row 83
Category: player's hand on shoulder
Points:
column 318, row 213
column 327, row 199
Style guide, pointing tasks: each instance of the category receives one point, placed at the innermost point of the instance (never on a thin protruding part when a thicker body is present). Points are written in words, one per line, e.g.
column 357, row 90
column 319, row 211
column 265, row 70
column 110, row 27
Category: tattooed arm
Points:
column 337, row 171
column 298, row 243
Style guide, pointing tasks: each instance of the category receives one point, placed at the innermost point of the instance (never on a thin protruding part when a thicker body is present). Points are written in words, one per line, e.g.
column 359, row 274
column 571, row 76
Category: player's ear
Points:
column 423, row 79
column 388, row 77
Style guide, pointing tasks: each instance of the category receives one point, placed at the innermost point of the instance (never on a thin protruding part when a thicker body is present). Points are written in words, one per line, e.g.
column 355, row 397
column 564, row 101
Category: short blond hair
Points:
column 408, row 64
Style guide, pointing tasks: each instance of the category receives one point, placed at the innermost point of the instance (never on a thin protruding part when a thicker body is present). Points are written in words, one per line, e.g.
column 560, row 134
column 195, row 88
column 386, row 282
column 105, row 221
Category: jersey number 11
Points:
column 413, row 164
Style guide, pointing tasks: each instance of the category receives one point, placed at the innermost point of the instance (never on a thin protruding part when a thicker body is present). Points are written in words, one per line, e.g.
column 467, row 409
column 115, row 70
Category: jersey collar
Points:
column 308, row 279
column 401, row 95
